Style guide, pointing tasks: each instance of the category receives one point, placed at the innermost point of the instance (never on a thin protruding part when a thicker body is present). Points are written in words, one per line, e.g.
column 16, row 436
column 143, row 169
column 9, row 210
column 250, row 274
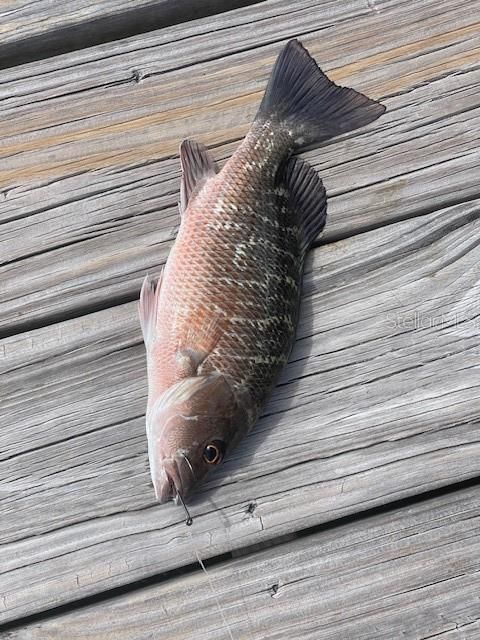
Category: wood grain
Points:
column 380, row 401
column 101, row 229
column 412, row 574
column 35, row 30
column 102, row 117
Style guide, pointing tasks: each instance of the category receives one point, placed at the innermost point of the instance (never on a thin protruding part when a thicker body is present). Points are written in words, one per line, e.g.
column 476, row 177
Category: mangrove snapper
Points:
column 220, row 322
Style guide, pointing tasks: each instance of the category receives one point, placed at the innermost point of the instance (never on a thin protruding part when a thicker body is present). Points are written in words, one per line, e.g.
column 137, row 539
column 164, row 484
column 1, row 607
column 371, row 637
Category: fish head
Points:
column 190, row 430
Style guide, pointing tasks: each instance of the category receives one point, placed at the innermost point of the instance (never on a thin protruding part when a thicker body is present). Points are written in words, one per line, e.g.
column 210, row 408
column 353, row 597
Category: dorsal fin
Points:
column 307, row 197
column 147, row 307
column 197, row 166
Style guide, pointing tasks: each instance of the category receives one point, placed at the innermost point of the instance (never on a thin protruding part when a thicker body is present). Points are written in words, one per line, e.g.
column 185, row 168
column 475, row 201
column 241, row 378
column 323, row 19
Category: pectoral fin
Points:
column 200, row 342
column 197, row 167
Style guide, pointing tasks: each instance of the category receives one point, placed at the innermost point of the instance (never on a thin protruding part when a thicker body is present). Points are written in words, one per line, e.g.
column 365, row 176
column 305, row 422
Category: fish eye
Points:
column 214, row 452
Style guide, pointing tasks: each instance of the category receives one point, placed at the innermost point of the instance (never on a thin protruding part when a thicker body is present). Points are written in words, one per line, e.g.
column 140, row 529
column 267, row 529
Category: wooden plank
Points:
column 172, row 49
column 380, row 401
column 35, row 30
column 411, row 573
column 97, row 116
column 21, row 21
column 62, row 227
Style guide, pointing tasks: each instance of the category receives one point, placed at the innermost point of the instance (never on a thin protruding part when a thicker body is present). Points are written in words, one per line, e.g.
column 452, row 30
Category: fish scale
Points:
column 236, row 212
column 220, row 324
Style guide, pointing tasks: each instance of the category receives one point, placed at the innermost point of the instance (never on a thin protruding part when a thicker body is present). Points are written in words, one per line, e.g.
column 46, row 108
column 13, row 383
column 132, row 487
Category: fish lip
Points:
column 172, row 481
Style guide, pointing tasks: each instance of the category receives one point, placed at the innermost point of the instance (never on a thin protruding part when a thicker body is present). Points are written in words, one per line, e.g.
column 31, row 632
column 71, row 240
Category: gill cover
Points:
column 190, row 429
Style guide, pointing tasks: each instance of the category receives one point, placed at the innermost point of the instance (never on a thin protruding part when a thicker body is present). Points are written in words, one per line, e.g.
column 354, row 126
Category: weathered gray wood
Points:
column 109, row 119
column 47, row 105
column 381, row 397
column 175, row 48
column 62, row 227
column 34, row 30
column 380, row 401
column 413, row 574
column 21, row 21
column 257, row 20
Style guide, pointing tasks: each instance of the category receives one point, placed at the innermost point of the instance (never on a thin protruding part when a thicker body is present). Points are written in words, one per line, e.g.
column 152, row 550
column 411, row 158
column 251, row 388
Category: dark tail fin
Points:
column 310, row 105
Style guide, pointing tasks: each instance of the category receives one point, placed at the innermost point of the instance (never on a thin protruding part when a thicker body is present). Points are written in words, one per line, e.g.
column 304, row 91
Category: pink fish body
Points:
column 220, row 322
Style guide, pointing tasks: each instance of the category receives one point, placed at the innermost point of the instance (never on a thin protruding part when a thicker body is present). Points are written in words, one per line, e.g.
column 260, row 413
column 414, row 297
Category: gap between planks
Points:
column 381, row 411
column 357, row 577
column 72, row 241
column 42, row 29
column 450, row 434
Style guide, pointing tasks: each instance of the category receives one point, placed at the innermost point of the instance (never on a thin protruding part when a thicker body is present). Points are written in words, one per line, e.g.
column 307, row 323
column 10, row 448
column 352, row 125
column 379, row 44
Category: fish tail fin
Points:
column 308, row 103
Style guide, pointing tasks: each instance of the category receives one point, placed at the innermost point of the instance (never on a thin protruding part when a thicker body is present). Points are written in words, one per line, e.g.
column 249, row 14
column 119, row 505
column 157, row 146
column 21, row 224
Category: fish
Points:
column 220, row 322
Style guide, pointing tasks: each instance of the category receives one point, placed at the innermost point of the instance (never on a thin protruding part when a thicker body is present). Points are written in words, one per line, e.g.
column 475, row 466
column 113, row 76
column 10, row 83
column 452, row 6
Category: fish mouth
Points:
column 175, row 478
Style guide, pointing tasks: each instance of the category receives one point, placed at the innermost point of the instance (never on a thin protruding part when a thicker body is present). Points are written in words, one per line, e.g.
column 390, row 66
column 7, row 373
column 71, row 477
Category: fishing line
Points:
column 214, row 593
column 225, row 623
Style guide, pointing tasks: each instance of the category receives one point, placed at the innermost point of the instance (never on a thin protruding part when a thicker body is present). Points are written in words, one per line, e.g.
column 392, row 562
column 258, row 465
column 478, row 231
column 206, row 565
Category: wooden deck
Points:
column 353, row 509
